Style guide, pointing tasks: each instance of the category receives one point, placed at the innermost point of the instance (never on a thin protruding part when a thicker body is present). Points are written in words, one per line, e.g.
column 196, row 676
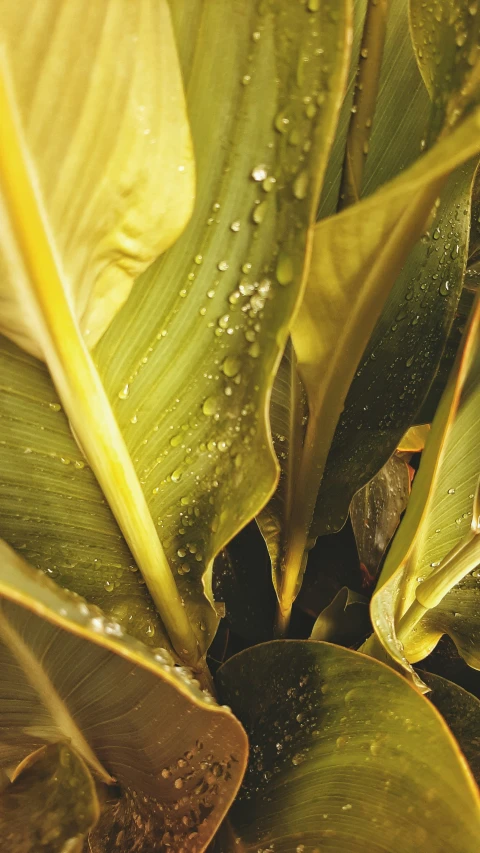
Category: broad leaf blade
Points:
column 189, row 396
column 115, row 205
column 207, row 353
column 438, row 517
column 51, row 805
column 177, row 755
column 344, row 754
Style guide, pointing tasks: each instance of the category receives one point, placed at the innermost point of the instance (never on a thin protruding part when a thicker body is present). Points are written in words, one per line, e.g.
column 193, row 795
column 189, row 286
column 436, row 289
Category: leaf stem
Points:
column 43, row 293
column 364, row 101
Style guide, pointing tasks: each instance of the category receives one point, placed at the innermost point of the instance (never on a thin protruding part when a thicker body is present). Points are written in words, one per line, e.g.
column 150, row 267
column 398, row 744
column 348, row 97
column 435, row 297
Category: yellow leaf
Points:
column 99, row 101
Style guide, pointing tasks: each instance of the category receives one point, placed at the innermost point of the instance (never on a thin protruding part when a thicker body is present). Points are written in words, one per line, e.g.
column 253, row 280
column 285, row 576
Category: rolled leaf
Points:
column 344, row 754
column 428, row 585
column 69, row 673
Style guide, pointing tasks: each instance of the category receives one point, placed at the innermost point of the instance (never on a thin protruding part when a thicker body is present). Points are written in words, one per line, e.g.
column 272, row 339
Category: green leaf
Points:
column 111, row 207
column 40, row 278
column 346, row 755
column 343, row 299
column 461, row 711
column 427, row 586
column 188, row 363
column 51, row 804
column 345, row 621
column 402, row 354
column 67, row 672
column 376, row 509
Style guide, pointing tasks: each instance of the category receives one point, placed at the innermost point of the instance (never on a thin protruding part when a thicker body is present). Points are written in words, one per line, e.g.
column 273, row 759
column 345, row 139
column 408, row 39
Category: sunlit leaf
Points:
column 40, row 278
column 51, row 805
column 376, row 509
column 343, row 298
column 461, row 711
column 346, row 755
column 188, row 363
column 414, row 439
column 68, row 673
column 429, row 585
column 116, row 177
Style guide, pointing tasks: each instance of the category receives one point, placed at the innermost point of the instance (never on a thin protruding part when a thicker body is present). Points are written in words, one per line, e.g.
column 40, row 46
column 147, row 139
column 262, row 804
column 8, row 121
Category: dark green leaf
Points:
column 345, row 756
column 461, row 710
column 345, row 621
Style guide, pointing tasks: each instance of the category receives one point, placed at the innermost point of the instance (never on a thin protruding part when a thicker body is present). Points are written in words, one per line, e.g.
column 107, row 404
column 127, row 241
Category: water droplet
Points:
column 231, row 366
column 300, row 185
column 198, row 259
column 224, row 321
column 259, row 212
column 254, row 350
column 109, row 586
column 235, row 226
column 222, row 266
column 268, row 184
column 444, row 288
column 176, row 475
column 259, row 173
column 313, row 5
column 281, row 122
column 284, row 271
column 123, row 394
column 210, row 406
column 451, row 492
column 246, row 79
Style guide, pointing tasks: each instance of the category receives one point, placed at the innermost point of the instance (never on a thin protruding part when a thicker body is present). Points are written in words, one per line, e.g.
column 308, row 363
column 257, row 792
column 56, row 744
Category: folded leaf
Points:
column 342, row 301
column 345, row 621
column 402, row 355
column 428, row 585
column 68, row 673
column 345, row 755
column 51, row 804
column 116, row 177
column 376, row 509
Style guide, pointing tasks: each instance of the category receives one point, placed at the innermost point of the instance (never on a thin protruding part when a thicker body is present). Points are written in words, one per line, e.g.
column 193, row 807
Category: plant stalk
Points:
column 364, row 102
column 43, row 295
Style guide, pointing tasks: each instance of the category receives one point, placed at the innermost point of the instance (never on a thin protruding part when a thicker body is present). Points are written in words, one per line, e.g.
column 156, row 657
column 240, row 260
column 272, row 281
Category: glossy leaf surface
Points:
column 461, row 710
column 133, row 188
column 343, row 299
column 345, row 621
column 442, row 515
column 344, row 755
column 67, row 672
column 188, row 363
column 51, row 805
column 376, row 509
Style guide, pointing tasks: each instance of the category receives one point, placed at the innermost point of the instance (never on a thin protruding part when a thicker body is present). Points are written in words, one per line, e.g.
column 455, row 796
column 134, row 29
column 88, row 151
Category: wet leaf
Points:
column 343, row 298
column 69, row 673
column 428, row 585
column 461, row 711
column 51, row 804
column 344, row 754
column 188, row 363
column 376, row 509
column 110, row 208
